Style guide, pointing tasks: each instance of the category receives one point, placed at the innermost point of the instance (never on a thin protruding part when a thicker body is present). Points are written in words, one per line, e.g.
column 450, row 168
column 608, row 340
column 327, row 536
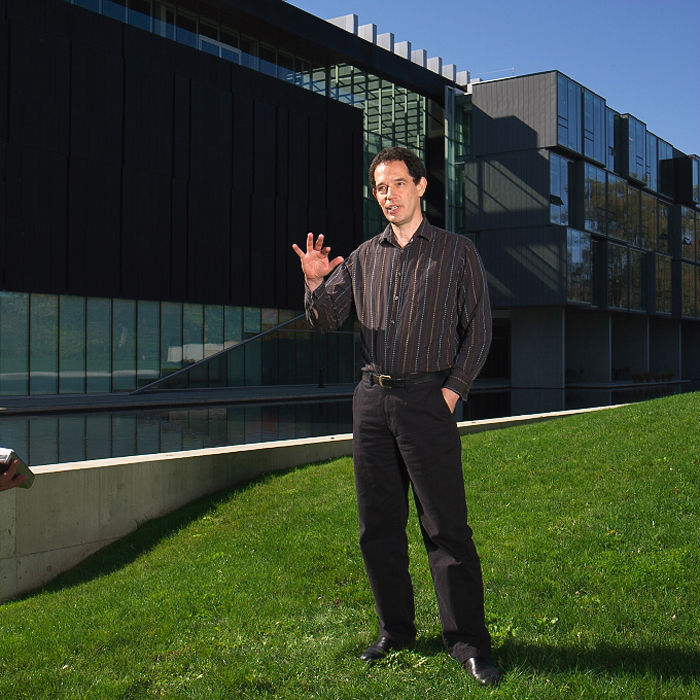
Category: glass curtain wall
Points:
column 393, row 116
column 73, row 345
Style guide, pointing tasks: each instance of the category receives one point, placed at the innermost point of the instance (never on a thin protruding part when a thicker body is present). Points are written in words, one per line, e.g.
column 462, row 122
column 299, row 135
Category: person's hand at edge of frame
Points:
column 10, row 478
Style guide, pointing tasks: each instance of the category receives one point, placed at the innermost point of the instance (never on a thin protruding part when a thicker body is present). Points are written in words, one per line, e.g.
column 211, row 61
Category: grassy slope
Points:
column 588, row 532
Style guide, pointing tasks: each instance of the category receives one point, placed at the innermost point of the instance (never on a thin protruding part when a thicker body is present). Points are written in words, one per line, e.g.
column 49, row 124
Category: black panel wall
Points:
column 515, row 114
column 525, row 267
column 507, row 190
column 136, row 167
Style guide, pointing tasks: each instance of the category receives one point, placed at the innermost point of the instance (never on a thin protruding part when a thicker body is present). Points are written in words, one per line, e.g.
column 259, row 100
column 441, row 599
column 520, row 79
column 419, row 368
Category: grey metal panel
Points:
column 525, row 267
column 515, row 113
column 507, row 190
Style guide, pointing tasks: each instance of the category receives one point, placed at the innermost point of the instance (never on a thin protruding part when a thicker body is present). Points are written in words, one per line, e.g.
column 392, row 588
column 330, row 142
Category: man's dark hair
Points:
column 414, row 164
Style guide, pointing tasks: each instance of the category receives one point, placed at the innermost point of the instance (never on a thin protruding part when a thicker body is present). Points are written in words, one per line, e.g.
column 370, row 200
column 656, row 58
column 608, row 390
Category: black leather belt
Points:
column 387, row 382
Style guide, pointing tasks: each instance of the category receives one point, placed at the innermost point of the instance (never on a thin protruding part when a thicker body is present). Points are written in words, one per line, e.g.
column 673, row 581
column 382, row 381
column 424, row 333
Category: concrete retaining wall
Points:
column 74, row 509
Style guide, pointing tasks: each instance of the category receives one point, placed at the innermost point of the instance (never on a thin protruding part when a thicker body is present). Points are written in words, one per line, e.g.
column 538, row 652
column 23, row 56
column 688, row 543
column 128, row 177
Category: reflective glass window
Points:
column 186, row 28
column 637, row 148
column 610, row 152
column 663, row 240
column 652, row 162
column 192, row 333
column 233, row 329
column 164, row 20
column 249, row 51
column 663, row 284
column 116, row 9
column 148, row 340
column 140, row 14
column 618, row 276
column 93, row 5
column 559, row 189
column 688, row 251
column 14, row 343
column 665, row 168
column 43, row 348
column 617, row 202
column 638, row 287
column 633, row 204
column 123, row 345
column 253, row 350
column 649, row 222
column 688, row 290
column 268, row 60
column 72, row 345
column 171, row 337
column 696, row 180
column 595, row 207
column 594, row 143
column 569, row 113
column 99, row 345
column 209, row 29
column 578, row 266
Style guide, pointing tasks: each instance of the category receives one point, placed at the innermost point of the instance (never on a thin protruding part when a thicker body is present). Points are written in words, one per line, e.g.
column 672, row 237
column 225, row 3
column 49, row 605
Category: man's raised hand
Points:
column 315, row 263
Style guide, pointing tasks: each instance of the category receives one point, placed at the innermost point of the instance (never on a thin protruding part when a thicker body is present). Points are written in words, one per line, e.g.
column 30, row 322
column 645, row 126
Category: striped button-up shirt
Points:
column 421, row 308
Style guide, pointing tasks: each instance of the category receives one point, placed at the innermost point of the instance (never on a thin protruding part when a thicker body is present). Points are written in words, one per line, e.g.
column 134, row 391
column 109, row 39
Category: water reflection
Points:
column 49, row 439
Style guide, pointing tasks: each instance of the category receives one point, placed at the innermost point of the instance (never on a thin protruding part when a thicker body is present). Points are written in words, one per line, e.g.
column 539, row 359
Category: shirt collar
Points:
column 425, row 230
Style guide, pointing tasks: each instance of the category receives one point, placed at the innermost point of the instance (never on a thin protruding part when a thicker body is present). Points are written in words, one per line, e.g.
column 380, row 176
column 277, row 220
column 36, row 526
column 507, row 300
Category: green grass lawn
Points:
column 588, row 531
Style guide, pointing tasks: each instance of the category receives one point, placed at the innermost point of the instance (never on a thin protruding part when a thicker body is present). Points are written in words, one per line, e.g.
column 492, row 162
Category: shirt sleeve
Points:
column 474, row 326
column 330, row 304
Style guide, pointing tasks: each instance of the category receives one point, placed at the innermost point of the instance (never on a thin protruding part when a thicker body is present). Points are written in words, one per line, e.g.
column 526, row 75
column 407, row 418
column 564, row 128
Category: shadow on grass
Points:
column 139, row 542
column 606, row 659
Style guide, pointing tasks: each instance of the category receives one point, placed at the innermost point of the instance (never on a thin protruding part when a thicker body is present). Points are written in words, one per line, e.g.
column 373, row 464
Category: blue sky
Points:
column 642, row 56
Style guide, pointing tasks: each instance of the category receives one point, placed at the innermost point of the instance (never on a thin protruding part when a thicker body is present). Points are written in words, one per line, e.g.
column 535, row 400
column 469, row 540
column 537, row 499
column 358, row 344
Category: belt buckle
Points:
column 380, row 380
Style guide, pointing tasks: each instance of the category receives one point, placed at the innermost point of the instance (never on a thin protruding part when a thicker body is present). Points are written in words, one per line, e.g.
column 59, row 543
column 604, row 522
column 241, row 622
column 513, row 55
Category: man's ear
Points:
column 422, row 186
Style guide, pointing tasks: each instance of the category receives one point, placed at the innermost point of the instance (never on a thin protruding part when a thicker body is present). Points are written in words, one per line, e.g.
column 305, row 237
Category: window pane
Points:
column 663, row 284
column 14, row 343
column 93, row 5
column 72, row 341
column 638, row 288
column 688, row 282
column 115, row 9
column 140, row 14
column 559, row 188
column 649, row 222
column 595, row 213
column 186, row 28
column 148, row 355
column 688, row 234
column 43, row 350
column 618, row 276
column 164, row 20
column 617, row 195
column 123, row 345
column 663, row 238
column 171, row 337
column 192, row 333
column 578, row 265
column 268, row 60
column 99, row 345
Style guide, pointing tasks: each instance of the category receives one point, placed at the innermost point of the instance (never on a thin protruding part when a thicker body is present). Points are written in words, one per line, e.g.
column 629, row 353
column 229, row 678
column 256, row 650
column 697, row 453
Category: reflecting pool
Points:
column 49, row 439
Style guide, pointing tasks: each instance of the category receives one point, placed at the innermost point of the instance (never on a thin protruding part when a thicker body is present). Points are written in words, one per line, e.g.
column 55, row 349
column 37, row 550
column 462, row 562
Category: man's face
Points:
column 397, row 194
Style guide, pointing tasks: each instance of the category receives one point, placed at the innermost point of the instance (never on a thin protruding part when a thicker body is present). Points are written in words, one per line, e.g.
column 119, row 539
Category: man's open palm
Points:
column 315, row 262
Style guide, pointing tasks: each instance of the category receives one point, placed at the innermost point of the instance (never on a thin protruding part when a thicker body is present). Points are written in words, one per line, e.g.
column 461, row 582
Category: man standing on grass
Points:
column 422, row 301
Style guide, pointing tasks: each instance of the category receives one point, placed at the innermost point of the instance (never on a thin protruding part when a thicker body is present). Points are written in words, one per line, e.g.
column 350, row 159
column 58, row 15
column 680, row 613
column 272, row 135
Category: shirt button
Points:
column 396, row 298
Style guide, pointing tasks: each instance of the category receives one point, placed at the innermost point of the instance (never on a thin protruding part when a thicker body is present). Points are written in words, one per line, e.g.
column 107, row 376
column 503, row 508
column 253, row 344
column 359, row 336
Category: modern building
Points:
column 158, row 159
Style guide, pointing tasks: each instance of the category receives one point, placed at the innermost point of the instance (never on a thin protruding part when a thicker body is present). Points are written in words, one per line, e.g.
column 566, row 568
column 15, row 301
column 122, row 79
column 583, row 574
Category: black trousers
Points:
column 409, row 436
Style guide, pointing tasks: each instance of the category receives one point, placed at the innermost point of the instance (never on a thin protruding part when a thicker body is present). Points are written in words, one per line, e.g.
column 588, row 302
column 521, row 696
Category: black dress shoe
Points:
column 484, row 670
column 380, row 649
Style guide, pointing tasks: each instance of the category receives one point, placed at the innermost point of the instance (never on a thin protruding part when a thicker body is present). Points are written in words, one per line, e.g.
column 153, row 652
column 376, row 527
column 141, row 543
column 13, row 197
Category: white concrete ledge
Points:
column 76, row 508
